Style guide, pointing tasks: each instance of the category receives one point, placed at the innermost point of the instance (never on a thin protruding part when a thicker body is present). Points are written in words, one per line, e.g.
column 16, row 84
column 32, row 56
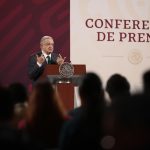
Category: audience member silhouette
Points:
column 132, row 124
column 19, row 96
column 83, row 131
column 45, row 116
column 118, row 89
column 9, row 136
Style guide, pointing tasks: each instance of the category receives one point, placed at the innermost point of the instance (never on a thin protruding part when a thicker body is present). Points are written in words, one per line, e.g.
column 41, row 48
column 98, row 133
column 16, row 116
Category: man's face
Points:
column 48, row 46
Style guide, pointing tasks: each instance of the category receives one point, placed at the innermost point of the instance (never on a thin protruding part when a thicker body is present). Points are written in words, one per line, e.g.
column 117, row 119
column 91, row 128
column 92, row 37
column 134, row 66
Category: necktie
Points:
column 48, row 60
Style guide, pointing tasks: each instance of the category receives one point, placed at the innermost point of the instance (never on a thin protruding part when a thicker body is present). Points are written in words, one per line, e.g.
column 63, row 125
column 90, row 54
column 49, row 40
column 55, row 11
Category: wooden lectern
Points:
column 65, row 90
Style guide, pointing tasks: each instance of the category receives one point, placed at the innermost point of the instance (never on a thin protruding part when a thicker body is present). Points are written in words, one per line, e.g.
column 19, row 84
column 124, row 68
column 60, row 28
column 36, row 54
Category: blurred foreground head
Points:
column 90, row 90
column 44, row 102
column 117, row 85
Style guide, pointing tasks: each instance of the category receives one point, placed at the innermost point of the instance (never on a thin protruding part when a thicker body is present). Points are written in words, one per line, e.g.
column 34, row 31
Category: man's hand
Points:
column 40, row 59
column 60, row 60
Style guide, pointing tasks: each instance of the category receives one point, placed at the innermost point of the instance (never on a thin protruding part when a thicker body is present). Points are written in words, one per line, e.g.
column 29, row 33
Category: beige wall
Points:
column 107, row 57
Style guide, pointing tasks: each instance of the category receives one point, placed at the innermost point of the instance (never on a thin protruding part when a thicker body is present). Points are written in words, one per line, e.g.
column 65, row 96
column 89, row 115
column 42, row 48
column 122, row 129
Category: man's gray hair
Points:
column 44, row 38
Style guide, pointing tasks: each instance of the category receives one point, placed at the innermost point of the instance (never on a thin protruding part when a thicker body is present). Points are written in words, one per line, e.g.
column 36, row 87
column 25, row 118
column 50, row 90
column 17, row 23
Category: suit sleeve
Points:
column 34, row 71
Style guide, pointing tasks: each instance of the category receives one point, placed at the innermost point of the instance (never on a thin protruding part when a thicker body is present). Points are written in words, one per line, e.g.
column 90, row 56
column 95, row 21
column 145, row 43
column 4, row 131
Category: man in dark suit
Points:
column 39, row 60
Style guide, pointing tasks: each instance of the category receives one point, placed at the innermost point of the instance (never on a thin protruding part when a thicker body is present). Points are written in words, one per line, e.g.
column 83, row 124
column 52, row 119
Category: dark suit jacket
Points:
column 34, row 71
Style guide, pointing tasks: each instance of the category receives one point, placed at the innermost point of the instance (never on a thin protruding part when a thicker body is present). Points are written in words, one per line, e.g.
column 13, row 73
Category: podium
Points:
column 65, row 87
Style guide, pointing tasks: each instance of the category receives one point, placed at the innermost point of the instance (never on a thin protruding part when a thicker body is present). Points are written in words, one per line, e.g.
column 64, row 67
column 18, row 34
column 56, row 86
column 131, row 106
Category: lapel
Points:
column 53, row 58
